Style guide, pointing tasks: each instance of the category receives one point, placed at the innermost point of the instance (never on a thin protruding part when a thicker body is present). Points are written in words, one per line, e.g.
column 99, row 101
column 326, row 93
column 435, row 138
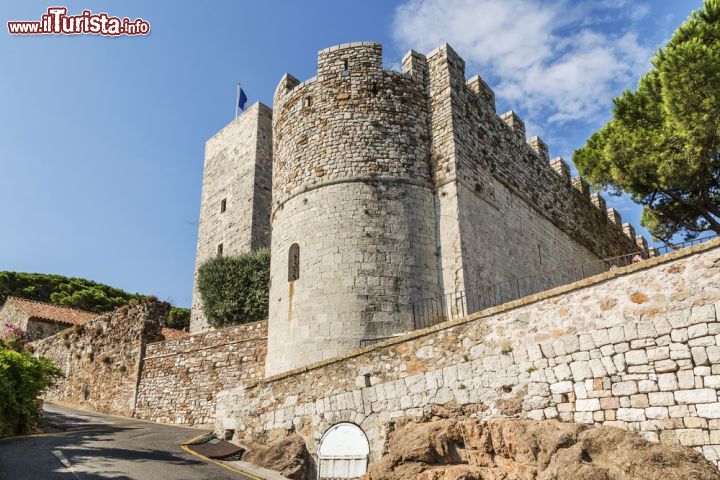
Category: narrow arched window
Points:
column 294, row 262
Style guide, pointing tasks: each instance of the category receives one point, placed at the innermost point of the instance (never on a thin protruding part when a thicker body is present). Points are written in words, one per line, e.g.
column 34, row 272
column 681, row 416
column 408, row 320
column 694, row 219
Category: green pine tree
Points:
column 662, row 145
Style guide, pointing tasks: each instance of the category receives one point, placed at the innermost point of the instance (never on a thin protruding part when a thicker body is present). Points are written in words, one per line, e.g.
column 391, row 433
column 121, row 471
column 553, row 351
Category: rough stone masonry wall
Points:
column 636, row 348
column 352, row 187
column 503, row 211
column 180, row 378
column 100, row 359
column 238, row 170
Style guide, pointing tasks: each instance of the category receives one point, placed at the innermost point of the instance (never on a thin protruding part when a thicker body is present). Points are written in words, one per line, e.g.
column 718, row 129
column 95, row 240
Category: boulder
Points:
column 288, row 456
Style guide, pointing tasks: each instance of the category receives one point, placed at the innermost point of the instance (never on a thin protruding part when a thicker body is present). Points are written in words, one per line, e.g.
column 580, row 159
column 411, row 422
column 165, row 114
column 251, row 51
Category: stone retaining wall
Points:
column 179, row 378
column 100, row 358
column 636, row 348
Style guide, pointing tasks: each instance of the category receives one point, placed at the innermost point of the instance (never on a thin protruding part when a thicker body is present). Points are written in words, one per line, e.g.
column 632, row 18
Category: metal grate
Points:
column 451, row 306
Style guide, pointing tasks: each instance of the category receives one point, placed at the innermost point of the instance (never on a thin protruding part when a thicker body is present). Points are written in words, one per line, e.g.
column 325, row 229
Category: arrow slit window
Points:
column 294, row 262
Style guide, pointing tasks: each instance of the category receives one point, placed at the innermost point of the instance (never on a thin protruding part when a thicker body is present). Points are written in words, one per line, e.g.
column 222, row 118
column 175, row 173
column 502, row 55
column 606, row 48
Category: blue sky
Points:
column 102, row 139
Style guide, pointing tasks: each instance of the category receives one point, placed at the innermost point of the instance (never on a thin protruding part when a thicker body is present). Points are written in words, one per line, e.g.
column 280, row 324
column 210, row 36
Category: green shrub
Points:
column 179, row 318
column 234, row 289
column 22, row 379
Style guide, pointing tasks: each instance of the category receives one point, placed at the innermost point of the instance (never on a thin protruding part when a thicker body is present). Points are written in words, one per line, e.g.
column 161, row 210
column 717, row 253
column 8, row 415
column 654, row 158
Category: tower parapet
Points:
column 641, row 242
column 629, row 230
column 515, row 123
column 599, row 202
column 561, row 168
column 581, row 186
column 614, row 217
column 539, row 147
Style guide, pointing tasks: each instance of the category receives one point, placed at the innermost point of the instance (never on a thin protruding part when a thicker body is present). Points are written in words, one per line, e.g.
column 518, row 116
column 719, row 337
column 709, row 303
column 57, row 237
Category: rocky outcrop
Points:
column 288, row 456
column 515, row 449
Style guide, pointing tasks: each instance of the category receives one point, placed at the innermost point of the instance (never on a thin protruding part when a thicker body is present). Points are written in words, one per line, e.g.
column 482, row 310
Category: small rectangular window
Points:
column 223, row 205
column 294, row 262
column 220, row 249
column 346, row 68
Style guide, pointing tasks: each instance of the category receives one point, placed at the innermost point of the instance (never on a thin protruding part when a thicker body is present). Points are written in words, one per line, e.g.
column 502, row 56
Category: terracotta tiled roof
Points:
column 172, row 334
column 53, row 313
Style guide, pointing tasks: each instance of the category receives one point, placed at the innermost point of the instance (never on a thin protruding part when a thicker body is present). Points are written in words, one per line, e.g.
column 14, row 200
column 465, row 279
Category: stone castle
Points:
column 382, row 189
column 377, row 189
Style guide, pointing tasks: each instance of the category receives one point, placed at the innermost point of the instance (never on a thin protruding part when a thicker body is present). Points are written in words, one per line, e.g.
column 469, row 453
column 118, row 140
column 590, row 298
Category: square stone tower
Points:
column 236, row 194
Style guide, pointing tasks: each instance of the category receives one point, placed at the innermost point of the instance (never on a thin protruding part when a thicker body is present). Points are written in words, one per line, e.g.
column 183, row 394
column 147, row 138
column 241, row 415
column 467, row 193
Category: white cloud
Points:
column 545, row 59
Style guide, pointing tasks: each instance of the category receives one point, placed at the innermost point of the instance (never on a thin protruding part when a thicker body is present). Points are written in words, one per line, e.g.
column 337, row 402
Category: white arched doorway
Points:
column 343, row 452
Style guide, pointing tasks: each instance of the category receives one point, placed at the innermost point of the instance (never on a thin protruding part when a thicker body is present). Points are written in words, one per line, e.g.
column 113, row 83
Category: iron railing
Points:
column 451, row 306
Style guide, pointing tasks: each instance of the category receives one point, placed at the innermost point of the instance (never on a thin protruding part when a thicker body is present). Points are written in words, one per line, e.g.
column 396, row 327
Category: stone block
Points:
column 708, row 410
column 631, row 414
column 658, row 353
column 699, row 356
column 686, row 379
column 609, row 403
column 561, row 387
column 636, row 357
column 678, row 411
column 587, row 405
column 656, row 413
column 583, row 417
column 698, row 330
column 562, row 372
column 712, row 381
column 580, row 370
column 692, row 437
column 664, row 366
column 597, row 368
column 713, row 353
column 667, row 382
column 645, row 386
column 624, row 388
column 639, row 400
column 698, row 395
column 661, row 399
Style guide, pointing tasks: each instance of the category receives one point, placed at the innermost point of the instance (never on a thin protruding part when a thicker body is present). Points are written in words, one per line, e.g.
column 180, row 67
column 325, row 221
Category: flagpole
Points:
column 237, row 100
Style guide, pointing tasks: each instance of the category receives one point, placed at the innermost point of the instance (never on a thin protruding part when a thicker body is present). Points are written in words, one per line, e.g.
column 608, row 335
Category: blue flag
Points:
column 242, row 100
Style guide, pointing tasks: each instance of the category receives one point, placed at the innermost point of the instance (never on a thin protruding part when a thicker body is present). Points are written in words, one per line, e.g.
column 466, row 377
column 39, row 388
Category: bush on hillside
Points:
column 179, row 318
column 65, row 291
column 23, row 378
column 234, row 289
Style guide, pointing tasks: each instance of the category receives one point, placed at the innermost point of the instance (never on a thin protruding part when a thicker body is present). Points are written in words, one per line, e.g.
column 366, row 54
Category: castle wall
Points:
column 637, row 348
column 237, row 169
column 352, row 187
column 515, row 215
column 101, row 358
column 180, row 378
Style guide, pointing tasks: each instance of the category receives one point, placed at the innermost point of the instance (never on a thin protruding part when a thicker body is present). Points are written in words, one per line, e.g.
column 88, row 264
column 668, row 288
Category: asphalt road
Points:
column 105, row 447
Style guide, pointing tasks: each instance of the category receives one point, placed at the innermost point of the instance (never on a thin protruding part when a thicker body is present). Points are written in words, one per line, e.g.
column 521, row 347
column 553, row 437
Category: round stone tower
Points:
column 353, row 231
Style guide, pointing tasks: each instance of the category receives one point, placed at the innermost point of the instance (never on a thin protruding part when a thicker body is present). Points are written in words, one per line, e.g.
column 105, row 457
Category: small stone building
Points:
column 40, row 319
